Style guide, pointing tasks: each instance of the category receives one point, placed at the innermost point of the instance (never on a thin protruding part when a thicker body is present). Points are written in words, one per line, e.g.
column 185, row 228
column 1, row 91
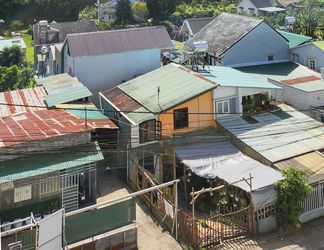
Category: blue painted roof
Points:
column 229, row 77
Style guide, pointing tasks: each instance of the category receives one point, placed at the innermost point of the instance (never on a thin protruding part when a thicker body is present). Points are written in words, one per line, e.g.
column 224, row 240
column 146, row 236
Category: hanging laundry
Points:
column 168, row 209
column 160, row 201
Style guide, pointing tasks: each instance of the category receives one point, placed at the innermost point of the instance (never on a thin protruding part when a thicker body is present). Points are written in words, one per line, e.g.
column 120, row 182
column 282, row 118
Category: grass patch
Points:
column 29, row 48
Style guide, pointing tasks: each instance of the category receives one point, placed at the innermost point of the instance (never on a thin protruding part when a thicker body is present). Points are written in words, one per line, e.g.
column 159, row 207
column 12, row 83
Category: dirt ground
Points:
column 150, row 234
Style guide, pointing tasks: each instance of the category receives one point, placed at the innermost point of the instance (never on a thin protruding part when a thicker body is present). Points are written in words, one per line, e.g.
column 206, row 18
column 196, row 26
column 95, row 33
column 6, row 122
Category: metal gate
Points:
column 70, row 192
column 213, row 230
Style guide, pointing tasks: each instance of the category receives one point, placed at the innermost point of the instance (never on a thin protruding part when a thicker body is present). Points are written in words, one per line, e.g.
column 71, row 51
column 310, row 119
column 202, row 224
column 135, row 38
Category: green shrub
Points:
column 292, row 191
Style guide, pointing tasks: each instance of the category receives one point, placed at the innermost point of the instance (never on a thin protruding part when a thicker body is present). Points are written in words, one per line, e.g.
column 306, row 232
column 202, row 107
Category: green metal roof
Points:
column 278, row 137
column 277, row 71
column 62, row 89
column 34, row 165
column 294, row 39
column 229, row 77
column 177, row 84
column 319, row 44
column 80, row 110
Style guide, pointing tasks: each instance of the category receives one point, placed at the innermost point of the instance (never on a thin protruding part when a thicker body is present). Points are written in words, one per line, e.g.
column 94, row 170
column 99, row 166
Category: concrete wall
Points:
column 299, row 98
column 100, row 73
column 310, row 51
column 200, row 104
column 256, row 46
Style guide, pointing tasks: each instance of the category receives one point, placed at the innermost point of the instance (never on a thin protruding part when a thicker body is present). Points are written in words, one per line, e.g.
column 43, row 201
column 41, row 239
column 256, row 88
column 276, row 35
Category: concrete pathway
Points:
column 150, row 234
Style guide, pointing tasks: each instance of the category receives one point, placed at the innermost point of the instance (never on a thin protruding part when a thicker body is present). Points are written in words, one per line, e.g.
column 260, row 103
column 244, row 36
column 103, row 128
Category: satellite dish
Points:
column 44, row 50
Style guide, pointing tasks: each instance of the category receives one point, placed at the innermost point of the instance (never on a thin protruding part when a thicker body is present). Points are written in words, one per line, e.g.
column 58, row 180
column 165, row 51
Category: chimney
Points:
column 322, row 73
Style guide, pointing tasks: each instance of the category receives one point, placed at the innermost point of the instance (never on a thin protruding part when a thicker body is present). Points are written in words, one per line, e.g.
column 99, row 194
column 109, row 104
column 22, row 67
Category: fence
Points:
column 213, row 230
column 313, row 206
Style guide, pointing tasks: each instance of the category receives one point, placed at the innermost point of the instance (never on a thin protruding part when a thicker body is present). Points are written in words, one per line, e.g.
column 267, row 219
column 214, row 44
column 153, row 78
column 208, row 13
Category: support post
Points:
column 127, row 164
column 176, row 209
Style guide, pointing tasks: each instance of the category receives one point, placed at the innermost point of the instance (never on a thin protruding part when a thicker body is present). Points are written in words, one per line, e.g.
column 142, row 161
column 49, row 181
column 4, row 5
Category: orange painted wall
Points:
column 200, row 104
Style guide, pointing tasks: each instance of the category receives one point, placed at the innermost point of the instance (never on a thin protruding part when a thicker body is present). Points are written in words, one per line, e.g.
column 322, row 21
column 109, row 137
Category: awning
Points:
column 272, row 9
column 213, row 156
column 312, row 163
column 56, row 160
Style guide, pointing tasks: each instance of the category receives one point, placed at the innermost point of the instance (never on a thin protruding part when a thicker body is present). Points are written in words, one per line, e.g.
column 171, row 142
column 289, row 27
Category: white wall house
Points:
column 258, row 7
column 130, row 53
column 301, row 87
column 236, row 41
column 236, row 89
column 310, row 55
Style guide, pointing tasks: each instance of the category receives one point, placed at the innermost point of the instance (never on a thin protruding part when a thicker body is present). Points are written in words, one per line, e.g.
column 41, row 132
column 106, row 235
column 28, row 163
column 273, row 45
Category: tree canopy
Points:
column 123, row 14
column 10, row 56
column 14, row 70
column 140, row 11
column 160, row 10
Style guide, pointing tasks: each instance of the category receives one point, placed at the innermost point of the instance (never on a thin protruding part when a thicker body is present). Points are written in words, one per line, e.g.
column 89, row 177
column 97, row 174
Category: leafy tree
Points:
column 16, row 24
column 140, row 11
column 88, row 13
column 9, row 6
column 292, row 191
column 11, row 56
column 160, row 10
column 309, row 15
column 124, row 13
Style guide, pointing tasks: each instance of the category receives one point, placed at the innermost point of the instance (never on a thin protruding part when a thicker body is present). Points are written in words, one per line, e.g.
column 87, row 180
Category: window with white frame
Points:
column 222, row 107
column 312, row 63
column 295, row 57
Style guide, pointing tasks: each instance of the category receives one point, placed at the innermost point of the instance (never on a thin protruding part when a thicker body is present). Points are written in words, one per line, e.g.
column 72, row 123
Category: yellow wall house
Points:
column 165, row 101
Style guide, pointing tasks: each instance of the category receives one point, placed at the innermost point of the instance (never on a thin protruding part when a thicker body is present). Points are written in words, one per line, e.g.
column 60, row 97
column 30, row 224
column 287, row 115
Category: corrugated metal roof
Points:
column 224, row 31
column 11, row 42
column 177, row 84
column 210, row 155
column 312, row 163
column 62, row 89
column 319, row 44
column 128, row 105
column 311, row 86
column 23, row 97
column 19, row 124
column 278, row 136
column 116, row 41
column 88, row 111
column 294, row 39
column 229, row 77
column 278, row 71
column 264, row 3
column 34, row 165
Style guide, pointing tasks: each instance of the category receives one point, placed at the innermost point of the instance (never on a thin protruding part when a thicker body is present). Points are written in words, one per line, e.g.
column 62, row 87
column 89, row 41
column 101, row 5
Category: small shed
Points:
column 209, row 155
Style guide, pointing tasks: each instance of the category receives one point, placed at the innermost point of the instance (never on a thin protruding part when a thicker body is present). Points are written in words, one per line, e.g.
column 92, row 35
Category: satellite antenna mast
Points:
column 158, row 92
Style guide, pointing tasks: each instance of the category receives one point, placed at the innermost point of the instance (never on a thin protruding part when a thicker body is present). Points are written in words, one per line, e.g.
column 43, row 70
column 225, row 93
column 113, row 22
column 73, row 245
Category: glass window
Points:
column 312, row 64
column 222, row 107
column 226, row 107
column 180, row 118
column 296, row 58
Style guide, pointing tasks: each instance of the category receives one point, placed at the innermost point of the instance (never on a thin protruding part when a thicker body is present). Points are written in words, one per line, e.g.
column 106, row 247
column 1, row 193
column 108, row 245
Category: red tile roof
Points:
column 301, row 80
column 19, row 124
